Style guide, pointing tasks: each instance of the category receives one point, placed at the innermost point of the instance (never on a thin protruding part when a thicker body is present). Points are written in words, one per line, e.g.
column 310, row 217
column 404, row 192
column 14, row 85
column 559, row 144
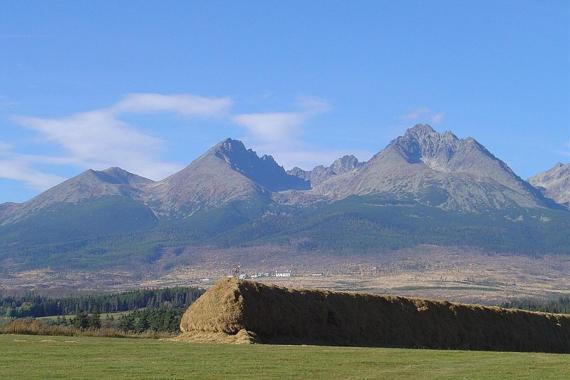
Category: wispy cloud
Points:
column 281, row 127
column 99, row 138
column 281, row 134
column 423, row 115
column 20, row 171
column 183, row 104
column 273, row 126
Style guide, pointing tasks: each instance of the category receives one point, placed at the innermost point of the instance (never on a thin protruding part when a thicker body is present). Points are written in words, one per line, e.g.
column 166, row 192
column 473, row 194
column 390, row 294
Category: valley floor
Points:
column 432, row 272
column 48, row 357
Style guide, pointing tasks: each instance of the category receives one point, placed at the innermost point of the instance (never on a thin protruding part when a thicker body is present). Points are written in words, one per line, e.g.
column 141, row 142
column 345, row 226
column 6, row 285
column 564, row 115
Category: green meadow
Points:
column 57, row 357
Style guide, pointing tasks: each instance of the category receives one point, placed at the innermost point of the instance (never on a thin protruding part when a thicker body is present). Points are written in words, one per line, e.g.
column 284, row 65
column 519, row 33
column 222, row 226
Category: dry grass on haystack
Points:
column 246, row 311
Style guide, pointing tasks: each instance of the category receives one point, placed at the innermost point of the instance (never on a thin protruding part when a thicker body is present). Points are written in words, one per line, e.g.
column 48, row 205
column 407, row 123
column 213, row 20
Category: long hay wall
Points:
column 270, row 314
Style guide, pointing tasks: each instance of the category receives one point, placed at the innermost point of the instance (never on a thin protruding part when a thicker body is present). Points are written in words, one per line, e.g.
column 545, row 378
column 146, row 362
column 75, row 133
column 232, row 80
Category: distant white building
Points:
column 282, row 274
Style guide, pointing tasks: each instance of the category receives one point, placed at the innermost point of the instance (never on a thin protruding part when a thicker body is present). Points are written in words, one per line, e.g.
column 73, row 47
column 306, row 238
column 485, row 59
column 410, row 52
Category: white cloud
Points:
column 20, row 171
column 280, row 134
column 281, row 127
column 184, row 104
column 15, row 168
column 271, row 127
column 423, row 115
column 99, row 139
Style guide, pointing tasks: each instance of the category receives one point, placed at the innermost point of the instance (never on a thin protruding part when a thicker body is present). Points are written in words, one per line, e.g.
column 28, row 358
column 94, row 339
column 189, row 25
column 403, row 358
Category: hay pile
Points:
column 240, row 311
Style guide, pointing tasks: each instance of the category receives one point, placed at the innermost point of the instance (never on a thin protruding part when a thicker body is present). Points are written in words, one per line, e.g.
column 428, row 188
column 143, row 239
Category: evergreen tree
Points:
column 81, row 320
column 95, row 321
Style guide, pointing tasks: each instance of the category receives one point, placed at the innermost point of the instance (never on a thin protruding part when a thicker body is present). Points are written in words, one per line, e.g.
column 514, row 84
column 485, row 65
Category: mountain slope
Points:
column 227, row 172
column 437, row 170
column 87, row 186
column 554, row 183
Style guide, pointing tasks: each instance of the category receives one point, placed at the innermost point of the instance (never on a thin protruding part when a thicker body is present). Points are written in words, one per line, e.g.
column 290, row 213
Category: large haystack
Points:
column 245, row 311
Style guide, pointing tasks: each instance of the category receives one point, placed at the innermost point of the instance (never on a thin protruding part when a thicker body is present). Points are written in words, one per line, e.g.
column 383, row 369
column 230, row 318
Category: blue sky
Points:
column 150, row 85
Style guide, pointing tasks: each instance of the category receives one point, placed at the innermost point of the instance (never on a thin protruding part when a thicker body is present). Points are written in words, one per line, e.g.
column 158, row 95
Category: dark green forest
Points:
column 34, row 306
column 560, row 305
column 354, row 225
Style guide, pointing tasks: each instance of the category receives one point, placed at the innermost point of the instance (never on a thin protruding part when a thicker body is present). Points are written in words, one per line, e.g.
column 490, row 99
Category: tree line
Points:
column 33, row 305
column 155, row 319
column 559, row 305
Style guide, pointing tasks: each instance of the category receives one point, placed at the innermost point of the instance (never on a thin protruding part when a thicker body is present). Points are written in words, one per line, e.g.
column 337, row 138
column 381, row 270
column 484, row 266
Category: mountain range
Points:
column 424, row 187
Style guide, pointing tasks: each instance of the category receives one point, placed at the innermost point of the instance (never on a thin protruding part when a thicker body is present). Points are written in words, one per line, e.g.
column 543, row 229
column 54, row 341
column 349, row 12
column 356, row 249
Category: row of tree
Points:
column 160, row 319
column 33, row 305
column 155, row 319
column 560, row 305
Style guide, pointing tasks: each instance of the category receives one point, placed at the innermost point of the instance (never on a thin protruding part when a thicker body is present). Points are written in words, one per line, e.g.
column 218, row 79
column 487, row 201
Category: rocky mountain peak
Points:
column 345, row 164
column 226, row 172
column 420, row 130
column 116, row 175
column 88, row 185
column 322, row 173
column 228, row 146
column 423, row 143
column 554, row 183
column 264, row 170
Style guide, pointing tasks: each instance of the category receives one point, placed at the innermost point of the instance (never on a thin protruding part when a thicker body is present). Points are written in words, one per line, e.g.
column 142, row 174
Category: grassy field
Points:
column 27, row 356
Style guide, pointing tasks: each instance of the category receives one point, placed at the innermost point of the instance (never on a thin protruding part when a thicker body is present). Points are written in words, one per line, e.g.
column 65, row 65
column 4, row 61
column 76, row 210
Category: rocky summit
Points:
column 554, row 183
column 437, row 169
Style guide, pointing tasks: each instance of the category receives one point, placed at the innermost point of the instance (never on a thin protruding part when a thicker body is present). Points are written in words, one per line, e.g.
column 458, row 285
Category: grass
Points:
column 29, row 357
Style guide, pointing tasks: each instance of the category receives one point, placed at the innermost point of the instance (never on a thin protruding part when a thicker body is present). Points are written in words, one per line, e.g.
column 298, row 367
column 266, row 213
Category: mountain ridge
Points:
column 422, row 164
column 424, row 187
column 88, row 185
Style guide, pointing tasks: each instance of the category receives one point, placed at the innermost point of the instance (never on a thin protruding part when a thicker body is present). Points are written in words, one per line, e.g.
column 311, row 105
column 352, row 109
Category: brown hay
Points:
column 36, row 327
column 271, row 314
column 241, row 337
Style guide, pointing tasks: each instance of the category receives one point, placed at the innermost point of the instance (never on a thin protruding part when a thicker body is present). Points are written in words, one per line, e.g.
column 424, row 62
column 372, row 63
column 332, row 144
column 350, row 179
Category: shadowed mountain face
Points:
column 437, row 170
column 262, row 170
column 425, row 187
column 554, row 183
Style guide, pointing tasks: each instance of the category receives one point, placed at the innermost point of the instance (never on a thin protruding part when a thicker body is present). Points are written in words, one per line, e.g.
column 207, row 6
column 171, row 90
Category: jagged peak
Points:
column 228, row 145
column 345, row 163
column 269, row 158
column 346, row 157
column 420, row 129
